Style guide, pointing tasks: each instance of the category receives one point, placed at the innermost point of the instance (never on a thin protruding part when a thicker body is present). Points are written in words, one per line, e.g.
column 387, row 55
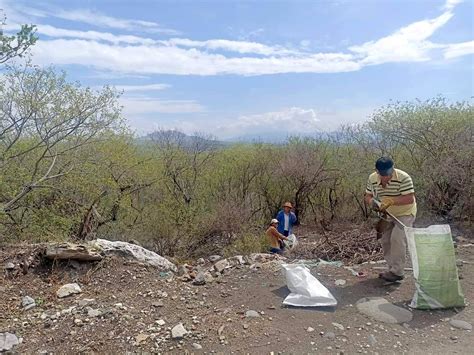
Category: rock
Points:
column 338, row 326
column 78, row 322
column 93, row 313
column 221, row 330
column 460, row 324
column 135, row 252
column 28, row 303
column 340, row 282
column 68, row 290
column 183, row 270
column 246, row 326
column 8, row 341
column 160, row 322
column 208, row 277
column 9, row 266
column 221, row 265
column 200, row 279
column 371, row 340
column 214, row 258
column 158, row 304
column 383, row 311
column 329, row 335
column 237, row 260
column 453, row 337
column 178, row 331
column 252, row 314
column 310, row 330
column 197, row 346
column 140, row 338
column 201, row 261
column 85, row 302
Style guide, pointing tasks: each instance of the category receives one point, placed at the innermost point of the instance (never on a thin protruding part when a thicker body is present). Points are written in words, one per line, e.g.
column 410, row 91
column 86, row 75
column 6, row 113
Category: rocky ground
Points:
column 120, row 306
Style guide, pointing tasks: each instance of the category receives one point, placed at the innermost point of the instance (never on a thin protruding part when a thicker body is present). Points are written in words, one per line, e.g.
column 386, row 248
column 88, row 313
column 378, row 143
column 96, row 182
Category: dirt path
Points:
column 134, row 301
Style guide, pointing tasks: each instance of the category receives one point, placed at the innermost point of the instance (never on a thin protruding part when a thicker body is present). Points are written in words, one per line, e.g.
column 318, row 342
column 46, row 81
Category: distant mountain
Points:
column 174, row 137
column 280, row 138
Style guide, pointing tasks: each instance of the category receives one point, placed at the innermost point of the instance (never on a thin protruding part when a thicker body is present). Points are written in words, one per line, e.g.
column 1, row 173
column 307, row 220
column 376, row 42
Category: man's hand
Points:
column 386, row 203
column 374, row 204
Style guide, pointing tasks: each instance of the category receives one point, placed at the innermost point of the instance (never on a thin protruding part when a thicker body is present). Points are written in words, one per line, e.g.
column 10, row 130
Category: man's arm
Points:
column 404, row 200
column 293, row 217
column 278, row 234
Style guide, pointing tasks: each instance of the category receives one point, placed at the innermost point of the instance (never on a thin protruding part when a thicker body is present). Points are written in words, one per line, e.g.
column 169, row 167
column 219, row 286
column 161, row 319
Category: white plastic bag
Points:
column 291, row 242
column 306, row 290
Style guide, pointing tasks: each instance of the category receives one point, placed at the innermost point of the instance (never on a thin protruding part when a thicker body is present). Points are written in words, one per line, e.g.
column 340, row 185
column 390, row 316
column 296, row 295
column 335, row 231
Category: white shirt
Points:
column 287, row 221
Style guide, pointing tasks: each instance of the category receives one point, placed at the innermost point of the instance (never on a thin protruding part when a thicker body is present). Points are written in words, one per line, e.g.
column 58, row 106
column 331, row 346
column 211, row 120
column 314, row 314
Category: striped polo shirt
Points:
column 400, row 184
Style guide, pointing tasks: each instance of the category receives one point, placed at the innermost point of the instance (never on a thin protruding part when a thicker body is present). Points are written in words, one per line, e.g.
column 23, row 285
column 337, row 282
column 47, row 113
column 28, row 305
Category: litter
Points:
column 434, row 268
column 306, row 290
column 291, row 242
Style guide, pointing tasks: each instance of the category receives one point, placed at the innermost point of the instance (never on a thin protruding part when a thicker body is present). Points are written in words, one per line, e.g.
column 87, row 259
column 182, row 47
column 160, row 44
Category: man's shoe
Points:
column 390, row 276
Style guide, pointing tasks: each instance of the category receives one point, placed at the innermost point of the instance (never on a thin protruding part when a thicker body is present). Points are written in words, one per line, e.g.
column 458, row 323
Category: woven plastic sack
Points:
column 434, row 268
column 306, row 290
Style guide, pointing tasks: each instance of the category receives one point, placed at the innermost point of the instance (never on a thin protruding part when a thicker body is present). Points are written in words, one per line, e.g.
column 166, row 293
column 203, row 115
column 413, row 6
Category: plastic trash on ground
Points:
column 291, row 242
column 306, row 290
column 434, row 268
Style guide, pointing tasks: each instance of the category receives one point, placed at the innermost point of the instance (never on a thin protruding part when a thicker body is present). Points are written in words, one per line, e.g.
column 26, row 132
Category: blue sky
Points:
column 236, row 68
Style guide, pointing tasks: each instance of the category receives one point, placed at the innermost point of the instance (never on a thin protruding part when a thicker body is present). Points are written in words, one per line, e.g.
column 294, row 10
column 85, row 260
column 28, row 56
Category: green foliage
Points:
column 17, row 45
column 194, row 198
column 247, row 244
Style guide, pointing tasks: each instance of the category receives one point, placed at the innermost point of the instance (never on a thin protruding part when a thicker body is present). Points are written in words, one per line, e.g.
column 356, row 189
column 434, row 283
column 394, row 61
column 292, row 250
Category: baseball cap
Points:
column 384, row 166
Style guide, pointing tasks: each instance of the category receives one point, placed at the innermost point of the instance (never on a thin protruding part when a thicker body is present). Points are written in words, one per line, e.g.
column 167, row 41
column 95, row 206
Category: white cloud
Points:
column 451, row 4
column 294, row 120
column 459, row 49
column 232, row 46
column 20, row 13
column 101, row 20
column 407, row 44
column 174, row 60
column 148, row 105
column 52, row 31
column 150, row 87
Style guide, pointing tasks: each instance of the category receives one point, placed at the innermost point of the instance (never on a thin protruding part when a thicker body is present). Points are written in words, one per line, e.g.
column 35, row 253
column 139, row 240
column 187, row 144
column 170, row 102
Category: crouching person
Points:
column 275, row 238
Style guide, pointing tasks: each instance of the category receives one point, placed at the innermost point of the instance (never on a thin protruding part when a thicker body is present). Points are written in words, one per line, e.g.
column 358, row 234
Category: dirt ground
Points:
column 132, row 298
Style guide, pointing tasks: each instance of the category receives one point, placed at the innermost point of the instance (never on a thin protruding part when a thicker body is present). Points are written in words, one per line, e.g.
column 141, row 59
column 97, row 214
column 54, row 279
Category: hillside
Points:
column 130, row 307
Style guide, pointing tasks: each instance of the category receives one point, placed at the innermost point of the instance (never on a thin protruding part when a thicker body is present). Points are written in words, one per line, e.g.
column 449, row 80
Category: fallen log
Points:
column 67, row 251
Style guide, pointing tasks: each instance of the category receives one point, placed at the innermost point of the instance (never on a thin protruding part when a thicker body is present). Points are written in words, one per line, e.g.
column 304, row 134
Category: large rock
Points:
column 8, row 341
column 178, row 331
column 264, row 257
column 221, row 265
column 68, row 290
column 28, row 303
column 460, row 324
column 135, row 252
column 214, row 258
column 380, row 309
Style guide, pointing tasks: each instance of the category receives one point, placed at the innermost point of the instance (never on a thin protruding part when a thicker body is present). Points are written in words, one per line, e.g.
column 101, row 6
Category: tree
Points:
column 44, row 120
column 17, row 45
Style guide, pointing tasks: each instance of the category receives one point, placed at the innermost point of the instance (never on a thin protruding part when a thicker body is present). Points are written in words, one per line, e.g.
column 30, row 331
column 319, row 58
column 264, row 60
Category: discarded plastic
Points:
column 306, row 290
column 291, row 242
column 434, row 268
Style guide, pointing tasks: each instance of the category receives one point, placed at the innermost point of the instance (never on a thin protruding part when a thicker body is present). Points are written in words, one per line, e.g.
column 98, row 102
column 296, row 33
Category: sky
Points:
column 254, row 68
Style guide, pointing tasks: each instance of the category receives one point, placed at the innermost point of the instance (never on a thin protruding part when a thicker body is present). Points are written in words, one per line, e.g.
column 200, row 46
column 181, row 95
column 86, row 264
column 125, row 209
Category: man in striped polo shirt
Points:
column 394, row 189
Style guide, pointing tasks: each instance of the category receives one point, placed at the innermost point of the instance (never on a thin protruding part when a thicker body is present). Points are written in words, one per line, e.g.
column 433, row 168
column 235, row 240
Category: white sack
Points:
column 306, row 290
column 291, row 242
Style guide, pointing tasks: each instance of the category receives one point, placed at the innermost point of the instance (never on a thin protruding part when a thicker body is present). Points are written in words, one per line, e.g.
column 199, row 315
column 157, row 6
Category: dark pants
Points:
column 276, row 251
column 286, row 233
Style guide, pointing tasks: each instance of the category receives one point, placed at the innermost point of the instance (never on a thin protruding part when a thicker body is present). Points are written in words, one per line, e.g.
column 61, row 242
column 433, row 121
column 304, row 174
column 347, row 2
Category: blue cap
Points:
column 384, row 166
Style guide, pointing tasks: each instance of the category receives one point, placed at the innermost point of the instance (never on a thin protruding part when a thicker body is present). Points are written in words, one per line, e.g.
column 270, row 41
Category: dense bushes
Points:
column 70, row 170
